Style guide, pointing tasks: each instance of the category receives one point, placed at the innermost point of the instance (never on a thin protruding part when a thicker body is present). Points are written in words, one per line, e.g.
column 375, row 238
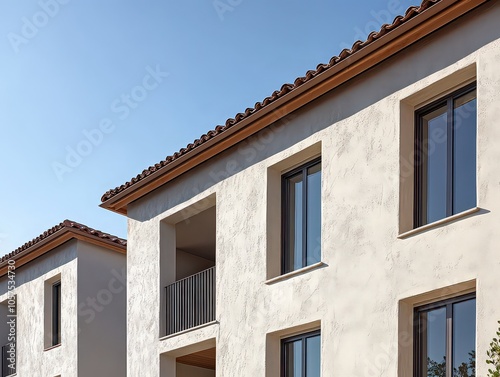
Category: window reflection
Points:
column 433, row 342
column 464, row 153
column 446, row 157
column 294, row 359
column 302, row 355
column 302, row 217
column 313, row 362
column 464, row 339
column 446, row 340
column 435, row 125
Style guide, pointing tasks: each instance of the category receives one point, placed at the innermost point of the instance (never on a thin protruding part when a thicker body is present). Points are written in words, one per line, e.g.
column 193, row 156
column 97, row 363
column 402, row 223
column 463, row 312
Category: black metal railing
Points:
column 7, row 361
column 191, row 301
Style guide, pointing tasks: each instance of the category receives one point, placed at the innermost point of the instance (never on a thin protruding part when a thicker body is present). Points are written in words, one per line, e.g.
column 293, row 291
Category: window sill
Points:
column 438, row 223
column 188, row 330
column 300, row 271
column 52, row 347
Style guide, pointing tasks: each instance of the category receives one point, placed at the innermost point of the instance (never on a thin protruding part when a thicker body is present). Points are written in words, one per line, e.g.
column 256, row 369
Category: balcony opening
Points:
column 195, row 244
column 198, row 364
column 188, row 270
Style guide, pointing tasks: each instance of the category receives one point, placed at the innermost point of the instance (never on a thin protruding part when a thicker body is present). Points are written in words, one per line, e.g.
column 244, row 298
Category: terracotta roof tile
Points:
column 285, row 89
column 66, row 224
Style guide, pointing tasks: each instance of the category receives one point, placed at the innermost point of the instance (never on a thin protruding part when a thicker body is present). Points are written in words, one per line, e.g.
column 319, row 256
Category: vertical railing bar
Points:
column 182, row 297
column 186, row 298
column 186, row 304
column 167, row 310
column 208, row 295
column 195, row 306
column 170, row 310
column 185, row 301
column 174, row 308
column 212, row 294
column 178, row 305
column 192, row 308
column 202, row 297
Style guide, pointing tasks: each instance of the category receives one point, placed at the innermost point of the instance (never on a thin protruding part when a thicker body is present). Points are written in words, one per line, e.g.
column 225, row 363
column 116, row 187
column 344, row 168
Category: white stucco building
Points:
column 345, row 226
column 69, row 286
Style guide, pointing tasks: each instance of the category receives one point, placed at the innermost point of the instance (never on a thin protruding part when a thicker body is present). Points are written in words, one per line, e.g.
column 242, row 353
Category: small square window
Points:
column 445, row 149
column 301, row 355
column 445, row 338
column 301, row 216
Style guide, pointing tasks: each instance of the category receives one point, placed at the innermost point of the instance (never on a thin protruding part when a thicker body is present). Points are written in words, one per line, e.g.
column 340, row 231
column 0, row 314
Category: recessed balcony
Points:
column 188, row 272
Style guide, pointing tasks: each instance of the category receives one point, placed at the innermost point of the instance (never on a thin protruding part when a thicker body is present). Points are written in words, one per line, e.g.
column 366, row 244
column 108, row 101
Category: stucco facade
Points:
column 92, row 305
column 375, row 268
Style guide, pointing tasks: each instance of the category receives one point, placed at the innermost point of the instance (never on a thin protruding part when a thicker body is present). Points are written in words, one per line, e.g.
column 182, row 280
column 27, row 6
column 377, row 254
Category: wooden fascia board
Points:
column 37, row 250
column 99, row 242
column 55, row 240
column 407, row 34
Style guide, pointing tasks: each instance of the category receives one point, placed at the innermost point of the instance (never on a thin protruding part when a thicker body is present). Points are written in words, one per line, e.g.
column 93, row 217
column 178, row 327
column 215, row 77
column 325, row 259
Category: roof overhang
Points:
column 54, row 240
column 410, row 32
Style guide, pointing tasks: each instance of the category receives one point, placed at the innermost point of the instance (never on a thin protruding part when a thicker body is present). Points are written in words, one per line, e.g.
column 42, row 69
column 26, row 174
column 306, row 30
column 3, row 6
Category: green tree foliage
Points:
column 466, row 369
column 494, row 356
column 435, row 369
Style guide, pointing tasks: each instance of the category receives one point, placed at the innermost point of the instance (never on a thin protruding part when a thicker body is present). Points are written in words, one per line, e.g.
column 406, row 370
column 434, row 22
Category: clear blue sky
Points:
column 68, row 67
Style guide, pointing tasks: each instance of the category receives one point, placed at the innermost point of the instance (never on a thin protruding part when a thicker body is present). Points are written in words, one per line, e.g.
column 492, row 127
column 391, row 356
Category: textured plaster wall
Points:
column 102, row 298
column 32, row 359
column 360, row 297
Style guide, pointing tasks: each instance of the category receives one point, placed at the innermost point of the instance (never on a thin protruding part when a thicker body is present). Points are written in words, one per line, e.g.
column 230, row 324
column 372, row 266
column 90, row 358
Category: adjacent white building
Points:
column 63, row 305
column 345, row 226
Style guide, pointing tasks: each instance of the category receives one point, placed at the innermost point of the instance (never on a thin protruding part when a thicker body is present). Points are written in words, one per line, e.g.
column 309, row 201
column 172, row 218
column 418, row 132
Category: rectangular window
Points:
column 445, row 149
column 301, row 355
column 301, row 211
column 56, row 313
column 445, row 336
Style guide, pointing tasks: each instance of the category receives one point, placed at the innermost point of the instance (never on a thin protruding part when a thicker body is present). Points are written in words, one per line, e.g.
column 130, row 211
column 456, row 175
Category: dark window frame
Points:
column 303, row 338
column 285, row 215
column 56, row 313
column 448, row 304
column 420, row 155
